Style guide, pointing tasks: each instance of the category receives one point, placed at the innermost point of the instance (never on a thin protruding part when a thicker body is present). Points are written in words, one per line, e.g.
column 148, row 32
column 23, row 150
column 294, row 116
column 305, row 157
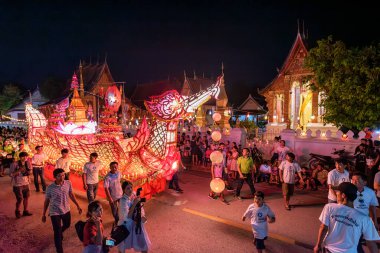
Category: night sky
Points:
column 150, row 40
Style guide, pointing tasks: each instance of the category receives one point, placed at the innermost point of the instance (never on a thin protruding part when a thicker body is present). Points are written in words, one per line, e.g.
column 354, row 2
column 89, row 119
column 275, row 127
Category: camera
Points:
column 138, row 192
column 110, row 242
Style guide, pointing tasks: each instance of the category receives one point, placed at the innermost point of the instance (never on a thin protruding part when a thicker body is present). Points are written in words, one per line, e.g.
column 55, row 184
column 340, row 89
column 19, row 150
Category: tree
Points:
column 10, row 96
column 53, row 87
column 349, row 80
column 249, row 126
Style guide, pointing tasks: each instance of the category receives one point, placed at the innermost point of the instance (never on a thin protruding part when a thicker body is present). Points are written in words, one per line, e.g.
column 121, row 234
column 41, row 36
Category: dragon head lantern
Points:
column 171, row 105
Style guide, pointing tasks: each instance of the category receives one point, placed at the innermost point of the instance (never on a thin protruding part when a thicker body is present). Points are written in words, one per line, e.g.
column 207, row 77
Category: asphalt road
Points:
column 188, row 222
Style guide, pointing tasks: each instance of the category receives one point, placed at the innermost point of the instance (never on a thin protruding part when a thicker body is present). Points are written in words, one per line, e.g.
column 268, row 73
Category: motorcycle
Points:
column 329, row 160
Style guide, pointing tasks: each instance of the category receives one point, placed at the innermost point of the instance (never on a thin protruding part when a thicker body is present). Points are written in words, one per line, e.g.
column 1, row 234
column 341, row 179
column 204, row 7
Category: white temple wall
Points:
column 324, row 143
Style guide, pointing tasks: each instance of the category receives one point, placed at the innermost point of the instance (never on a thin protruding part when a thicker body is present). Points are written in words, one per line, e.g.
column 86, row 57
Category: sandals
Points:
column 287, row 208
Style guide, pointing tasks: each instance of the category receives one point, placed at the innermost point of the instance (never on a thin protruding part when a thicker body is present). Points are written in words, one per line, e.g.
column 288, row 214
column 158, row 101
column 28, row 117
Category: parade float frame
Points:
column 147, row 159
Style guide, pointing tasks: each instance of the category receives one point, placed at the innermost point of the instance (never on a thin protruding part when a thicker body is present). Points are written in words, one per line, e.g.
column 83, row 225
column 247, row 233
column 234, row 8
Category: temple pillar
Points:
column 314, row 106
column 270, row 104
column 287, row 98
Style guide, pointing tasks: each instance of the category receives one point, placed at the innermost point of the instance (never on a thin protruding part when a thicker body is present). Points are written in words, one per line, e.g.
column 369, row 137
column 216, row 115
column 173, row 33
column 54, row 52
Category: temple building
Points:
column 291, row 103
column 93, row 80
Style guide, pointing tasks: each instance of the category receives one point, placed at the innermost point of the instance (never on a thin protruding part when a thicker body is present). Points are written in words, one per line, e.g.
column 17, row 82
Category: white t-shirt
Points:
column 112, row 182
column 258, row 216
column 92, row 172
column 365, row 199
column 290, row 169
column 335, row 178
column 345, row 226
column 282, row 151
column 63, row 163
column 38, row 160
column 377, row 180
column 265, row 168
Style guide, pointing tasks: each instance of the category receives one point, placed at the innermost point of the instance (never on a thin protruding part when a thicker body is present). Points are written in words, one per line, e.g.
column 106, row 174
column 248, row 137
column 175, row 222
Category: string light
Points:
column 13, row 119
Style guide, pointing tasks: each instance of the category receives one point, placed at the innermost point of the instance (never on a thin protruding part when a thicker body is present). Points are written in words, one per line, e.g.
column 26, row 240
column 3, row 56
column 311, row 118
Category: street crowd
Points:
column 347, row 221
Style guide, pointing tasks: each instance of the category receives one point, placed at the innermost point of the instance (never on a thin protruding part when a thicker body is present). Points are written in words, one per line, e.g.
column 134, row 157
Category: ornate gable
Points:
column 293, row 65
column 295, row 57
column 250, row 104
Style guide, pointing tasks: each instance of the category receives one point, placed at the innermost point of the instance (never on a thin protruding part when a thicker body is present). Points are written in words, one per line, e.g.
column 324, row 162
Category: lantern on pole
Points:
column 216, row 116
column 217, row 185
column 216, row 136
column 216, row 157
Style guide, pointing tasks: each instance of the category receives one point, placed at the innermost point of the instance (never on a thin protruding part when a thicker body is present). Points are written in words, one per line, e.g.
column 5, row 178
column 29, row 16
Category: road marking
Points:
column 238, row 225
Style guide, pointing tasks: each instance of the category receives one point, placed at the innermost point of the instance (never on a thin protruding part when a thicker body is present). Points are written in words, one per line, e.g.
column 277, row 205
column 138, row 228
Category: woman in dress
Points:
column 137, row 239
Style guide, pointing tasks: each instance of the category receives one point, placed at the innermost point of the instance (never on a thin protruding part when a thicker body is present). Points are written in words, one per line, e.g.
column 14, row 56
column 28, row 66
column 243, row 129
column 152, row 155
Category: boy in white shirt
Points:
column 91, row 176
column 288, row 170
column 342, row 225
column 38, row 163
column 335, row 177
column 64, row 163
column 366, row 201
column 259, row 213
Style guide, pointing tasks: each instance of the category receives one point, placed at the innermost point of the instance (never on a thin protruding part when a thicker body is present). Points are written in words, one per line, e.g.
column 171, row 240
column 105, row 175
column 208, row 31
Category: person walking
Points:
column 335, row 177
column 112, row 188
column 366, row 201
column 20, row 171
column 138, row 238
column 245, row 168
column 342, row 225
column 93, row 229
column 38, row 162
column 260, row 214
column 90, row 176
column 64, row 162
column 57, row 200
column 288, row 169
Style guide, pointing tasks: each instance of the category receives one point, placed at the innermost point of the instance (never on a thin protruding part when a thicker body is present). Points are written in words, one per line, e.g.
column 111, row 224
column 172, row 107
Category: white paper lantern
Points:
column 217, row 185
column 216, row 116
column 216, row 136
column 216, row 157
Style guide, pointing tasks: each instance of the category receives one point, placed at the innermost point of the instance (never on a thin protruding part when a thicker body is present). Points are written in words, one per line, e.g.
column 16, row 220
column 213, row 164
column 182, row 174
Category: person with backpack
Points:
column 93, row 229
column 57, row 199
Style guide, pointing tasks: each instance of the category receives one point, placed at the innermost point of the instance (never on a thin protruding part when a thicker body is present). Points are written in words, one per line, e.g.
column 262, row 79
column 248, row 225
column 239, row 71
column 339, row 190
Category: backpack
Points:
column 79, row 228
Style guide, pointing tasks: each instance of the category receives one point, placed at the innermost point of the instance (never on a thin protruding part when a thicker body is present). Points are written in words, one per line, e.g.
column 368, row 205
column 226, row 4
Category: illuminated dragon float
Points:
column 149, row 155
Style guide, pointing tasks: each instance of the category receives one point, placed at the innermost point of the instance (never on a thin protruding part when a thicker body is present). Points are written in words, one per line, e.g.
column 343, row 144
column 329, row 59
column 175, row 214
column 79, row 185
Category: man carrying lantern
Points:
column 245, row 167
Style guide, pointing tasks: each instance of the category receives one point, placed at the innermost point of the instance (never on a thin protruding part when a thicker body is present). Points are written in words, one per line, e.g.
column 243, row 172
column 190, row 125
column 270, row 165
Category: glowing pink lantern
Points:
column 216, row 157
column 113, row 98
column 216, row 116
column 217, row 185
column 216, row 136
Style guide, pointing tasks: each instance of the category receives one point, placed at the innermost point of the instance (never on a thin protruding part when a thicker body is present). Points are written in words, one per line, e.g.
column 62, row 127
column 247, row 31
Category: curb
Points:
column 275, row 236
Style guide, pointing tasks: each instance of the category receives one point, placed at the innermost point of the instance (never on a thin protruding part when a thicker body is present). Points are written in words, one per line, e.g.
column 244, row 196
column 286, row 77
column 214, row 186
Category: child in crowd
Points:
column 265, row 172
column 93, row 230
column 260, row 214
column 187, row 149
column 274, row 178
column 306, row 178
column 217, row 172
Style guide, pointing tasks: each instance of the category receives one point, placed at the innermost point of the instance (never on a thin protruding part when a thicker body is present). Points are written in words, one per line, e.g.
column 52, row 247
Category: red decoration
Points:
column 113, row 98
